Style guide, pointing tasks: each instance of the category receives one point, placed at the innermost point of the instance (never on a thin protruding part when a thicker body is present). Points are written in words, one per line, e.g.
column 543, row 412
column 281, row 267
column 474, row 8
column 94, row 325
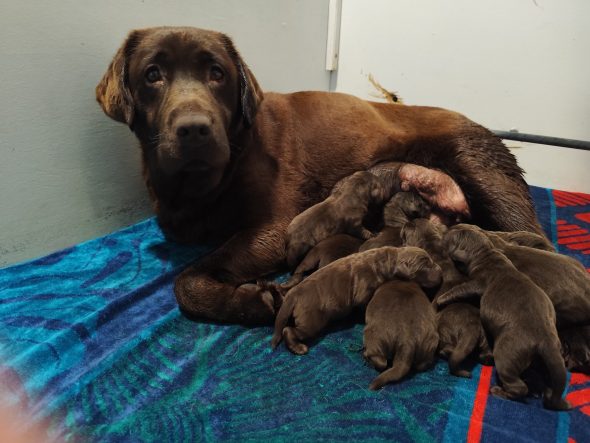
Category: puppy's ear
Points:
column 112, row 93
column 250, row 93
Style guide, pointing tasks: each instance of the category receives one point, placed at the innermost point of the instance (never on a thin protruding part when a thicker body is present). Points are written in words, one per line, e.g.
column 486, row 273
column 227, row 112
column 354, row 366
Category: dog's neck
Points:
column 485, row 259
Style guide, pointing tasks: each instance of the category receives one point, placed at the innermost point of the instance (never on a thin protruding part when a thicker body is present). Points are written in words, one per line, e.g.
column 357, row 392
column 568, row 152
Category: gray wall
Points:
column 68, row 173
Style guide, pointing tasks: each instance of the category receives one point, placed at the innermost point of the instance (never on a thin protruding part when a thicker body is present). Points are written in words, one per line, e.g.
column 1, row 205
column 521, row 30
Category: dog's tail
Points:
column 464, row 347
column 282, row 319
column 551, row 356
column 402, row 363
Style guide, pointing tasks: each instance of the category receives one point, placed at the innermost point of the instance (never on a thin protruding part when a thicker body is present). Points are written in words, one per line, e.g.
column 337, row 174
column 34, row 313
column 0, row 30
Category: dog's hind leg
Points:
column 402, row 363
column 551, row 356
column 510, row 364
column 464, row 347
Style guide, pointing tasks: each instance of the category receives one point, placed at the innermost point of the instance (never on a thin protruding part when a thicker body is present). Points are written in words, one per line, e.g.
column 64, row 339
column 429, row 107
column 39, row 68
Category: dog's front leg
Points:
column 217, row 288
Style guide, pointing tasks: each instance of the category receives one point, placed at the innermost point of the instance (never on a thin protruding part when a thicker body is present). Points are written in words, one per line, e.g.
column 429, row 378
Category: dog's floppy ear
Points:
column 112, row 92
column 250, row 93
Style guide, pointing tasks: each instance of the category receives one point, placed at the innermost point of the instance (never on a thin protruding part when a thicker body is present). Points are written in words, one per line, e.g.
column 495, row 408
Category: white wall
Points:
column 67, row 172
column 506, row 64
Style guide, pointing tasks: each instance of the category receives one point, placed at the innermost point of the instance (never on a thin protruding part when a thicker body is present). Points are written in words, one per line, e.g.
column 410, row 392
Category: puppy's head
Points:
column 422, row 233
column 361, row 184
column 184, row 92
column 415, row 264
column 464, row 242
column 406, row 206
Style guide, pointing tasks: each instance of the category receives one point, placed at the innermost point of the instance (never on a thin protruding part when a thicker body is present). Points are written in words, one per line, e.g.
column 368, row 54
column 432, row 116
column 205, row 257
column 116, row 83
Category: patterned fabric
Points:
column 93, row 346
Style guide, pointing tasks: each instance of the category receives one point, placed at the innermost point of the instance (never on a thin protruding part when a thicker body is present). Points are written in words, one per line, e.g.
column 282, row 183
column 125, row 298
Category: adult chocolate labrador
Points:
column 224, row 162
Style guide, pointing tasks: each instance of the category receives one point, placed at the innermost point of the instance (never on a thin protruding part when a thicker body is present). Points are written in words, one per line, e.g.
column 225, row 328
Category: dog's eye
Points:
column 216, row 74
column 153, row 74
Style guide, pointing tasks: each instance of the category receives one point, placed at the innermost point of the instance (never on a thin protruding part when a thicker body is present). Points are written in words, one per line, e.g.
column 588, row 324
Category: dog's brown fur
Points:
column 564, row 279
column 267, row 157
column 461, row 334
column 322, row 254
column 341, row 213
column 335, row 290
column 400, row 326
column 459, row 326
column 401, row 208
column 513, row 310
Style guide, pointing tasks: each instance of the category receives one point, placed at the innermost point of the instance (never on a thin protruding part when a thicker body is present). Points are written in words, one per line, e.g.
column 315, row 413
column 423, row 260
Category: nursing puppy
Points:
column 342, row 212
column 322, row 254
column 563, row 278
column 459, row 326
column 335, row 290
column 514, row 311
column 461, row 334
column 400, row 325
column 401, row 208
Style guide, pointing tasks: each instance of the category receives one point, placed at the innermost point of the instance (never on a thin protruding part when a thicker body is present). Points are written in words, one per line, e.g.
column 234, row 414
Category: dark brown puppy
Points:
column 524, row 238
column 564, row 279
column 341, row 213
column 335, row 290
column 322, row 254
column 513, row 310
column 224, row 162
column 461, row 334
column 459, row 326
column 575, row 344
column 401, row 208
column 400, row 326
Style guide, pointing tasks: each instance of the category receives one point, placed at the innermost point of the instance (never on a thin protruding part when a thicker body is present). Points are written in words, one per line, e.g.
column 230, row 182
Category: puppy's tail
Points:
column 282, row 319
column 551, row 356
column 402, row 363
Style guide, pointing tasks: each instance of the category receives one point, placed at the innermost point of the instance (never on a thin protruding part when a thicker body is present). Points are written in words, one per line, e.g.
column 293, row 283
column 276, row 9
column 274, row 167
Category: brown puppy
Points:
column 459, row 326
column 225, row 163
column 401, row 208
column 569, row 292
column 332, row 292
column 322, row 254
column 513, row 310
column 461, row 333
column 400, row 325
column 524, row 238
column 342, row 212
column 575, row 344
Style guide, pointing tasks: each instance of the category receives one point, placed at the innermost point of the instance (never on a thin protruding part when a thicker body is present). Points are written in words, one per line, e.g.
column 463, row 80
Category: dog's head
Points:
column 422, row 233
column 464, row 242
column 184, row 92
column 415, row 264
column 405, row 206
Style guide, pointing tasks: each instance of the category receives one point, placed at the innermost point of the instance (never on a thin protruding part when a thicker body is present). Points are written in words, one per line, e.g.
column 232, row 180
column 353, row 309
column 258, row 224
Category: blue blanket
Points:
column 92, row 345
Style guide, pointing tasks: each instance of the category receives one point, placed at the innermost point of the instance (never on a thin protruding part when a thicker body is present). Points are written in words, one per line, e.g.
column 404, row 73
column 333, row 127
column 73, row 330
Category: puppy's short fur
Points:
column 322, row 254
column 459, row 326
column 401, row 208
column 342, row 212
column 332, row 292
column 563, row 278
column 514, row 311
column 400, row 326
column 461, row 333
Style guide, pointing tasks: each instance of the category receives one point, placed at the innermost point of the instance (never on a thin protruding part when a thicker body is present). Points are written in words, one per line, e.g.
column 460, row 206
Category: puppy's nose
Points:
column 194, row 128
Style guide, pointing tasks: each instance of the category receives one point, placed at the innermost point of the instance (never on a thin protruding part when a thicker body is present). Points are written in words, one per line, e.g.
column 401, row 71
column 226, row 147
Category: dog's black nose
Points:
column 194, row 128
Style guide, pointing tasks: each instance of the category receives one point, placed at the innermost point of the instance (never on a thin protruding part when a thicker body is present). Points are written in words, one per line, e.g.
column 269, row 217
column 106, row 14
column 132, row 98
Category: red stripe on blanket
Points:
column 578, row 378
column 479, row 405
column 579, row 398
column 572, row 233
column 561, row 228
column 566, row 241
column 584, row 216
